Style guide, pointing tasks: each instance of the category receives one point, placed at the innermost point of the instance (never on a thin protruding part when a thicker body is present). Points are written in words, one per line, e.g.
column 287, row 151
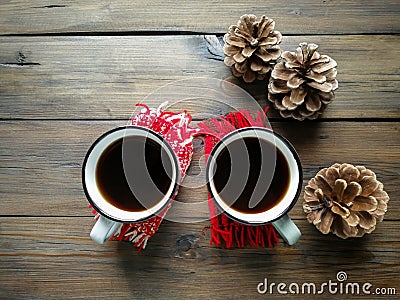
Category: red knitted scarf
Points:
column 224, row 231
column 175, row 129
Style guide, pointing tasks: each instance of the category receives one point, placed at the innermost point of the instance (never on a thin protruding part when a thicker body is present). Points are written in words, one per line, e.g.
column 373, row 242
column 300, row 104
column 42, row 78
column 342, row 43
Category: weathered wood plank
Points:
column 102, row 77
column 54, row 258
column 40, row 162
column 39, row 16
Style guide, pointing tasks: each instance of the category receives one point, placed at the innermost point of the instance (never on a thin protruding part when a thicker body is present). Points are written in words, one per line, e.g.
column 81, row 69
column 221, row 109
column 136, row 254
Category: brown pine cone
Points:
column 346, row 200
column 302, row 84
column 252, row 47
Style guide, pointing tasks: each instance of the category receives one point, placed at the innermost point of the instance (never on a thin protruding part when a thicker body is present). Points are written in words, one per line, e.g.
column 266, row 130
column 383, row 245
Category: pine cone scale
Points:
column 265, row 27
column 380, row 195
column 295, row 82
column 339, row 187
column 235, row 41
column 241, row 67
column 326, row 98
column 323, row 87
column 313, row 103
column 293, row 65
column 230, row 51
column 321, row 60
column 323, row 67
column 289, row 57
column 288, row 104
column 239, row 58
column 248, row 51
column 340, row 210
column 305, row 113
column 334, row 84
column 369, row 185
column 348, row 230
column 256, row 66
column 267, row 56
column 264, row 70
column 244, row 35
column 280, row 72
column 249, row 76
column 352, row 219
column 297, row 96
column 278, row 87
column 229, row 61
column 349, row 173
column 361, row 203
column 366, row 220
column 352, row 190
column 319, row 78
column 330, row 74
column 273, row 39
column 299, row 53
column 236, row 73
column 326, row 222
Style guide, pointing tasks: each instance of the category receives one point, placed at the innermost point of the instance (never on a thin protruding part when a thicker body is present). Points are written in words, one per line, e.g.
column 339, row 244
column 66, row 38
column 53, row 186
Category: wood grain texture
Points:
column 40, row 162
column 305, row 17
column 102, row 77
column 71, row 70
column 50, row 258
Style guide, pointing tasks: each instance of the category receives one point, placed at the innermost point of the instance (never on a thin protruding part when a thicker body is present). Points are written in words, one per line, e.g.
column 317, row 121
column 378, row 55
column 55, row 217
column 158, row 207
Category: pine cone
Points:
column 252, row 47
column 302, row 84
column 345, row 200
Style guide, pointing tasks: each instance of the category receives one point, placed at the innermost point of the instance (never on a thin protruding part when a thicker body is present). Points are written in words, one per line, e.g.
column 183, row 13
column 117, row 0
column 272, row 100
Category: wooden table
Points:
column 70, row 71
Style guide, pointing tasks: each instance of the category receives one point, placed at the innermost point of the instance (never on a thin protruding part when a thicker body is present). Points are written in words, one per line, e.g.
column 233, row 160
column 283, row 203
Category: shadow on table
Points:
column 182, row 265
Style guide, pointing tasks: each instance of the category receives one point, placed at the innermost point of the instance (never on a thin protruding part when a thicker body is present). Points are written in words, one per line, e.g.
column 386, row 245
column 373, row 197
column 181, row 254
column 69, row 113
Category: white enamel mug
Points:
column 277, row 215
column 111, row 216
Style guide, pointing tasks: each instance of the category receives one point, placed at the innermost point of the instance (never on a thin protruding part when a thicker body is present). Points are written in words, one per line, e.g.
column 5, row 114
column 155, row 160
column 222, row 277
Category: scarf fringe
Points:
column 241, row 235
column 129, row 232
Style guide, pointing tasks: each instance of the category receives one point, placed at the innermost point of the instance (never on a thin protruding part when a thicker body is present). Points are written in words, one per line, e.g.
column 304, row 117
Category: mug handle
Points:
column 104, row 229
column 287, row 229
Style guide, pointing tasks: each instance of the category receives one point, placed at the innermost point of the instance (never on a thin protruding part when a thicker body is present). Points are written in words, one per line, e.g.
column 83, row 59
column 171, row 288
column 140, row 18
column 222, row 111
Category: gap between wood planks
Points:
column 172, row 33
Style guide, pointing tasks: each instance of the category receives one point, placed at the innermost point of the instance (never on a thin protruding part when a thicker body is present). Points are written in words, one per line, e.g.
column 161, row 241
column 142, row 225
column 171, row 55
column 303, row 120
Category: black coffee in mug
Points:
column 134, row 173
column 251, row 175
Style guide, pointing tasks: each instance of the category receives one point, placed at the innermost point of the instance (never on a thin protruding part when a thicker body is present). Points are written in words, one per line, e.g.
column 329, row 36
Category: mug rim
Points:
column 292, row 150
column 160, row 140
